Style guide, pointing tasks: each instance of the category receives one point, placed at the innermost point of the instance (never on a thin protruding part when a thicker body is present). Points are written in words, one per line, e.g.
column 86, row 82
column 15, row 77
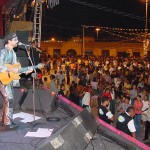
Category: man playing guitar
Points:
column 8, row 56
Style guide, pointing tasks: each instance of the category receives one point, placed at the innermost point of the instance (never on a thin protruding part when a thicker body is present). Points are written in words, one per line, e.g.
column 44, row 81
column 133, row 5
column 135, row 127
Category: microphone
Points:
column 22, row 44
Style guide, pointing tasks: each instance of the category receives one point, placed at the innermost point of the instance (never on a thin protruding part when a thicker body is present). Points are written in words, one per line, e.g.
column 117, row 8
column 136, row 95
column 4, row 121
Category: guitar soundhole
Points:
column 8, row 74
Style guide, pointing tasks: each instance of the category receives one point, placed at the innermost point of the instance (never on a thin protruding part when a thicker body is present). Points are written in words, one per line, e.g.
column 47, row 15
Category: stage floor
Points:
column 27, row 136
column 17, row 139
column 21, row 138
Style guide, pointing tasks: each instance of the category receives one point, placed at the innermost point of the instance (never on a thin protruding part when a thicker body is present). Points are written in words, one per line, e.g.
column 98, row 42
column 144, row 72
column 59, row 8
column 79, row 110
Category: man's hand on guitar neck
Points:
column 14, row 70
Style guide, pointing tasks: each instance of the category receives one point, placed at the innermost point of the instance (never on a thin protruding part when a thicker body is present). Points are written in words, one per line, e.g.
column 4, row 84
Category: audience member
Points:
column 86, row 98
column 103, row 112
column 138, row 110
column 125, row 122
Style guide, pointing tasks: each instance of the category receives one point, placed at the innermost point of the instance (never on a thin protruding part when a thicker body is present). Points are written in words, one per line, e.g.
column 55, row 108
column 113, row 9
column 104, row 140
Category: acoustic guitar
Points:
column 7, row 77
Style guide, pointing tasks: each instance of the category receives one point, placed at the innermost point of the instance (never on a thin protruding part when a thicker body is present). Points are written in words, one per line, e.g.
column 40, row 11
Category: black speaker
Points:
column 23, row 36
column 44, row 100
column 76, row 135
column 24, row 61
column 21, row 51
column 61, row 104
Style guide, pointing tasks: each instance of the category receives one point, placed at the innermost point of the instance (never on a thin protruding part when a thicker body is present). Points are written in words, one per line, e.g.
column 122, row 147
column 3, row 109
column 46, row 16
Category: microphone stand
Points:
column 33, row 89
column 32, row 124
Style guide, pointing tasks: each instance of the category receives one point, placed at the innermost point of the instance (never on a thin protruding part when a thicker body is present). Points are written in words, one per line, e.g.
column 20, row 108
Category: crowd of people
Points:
column 118, row 86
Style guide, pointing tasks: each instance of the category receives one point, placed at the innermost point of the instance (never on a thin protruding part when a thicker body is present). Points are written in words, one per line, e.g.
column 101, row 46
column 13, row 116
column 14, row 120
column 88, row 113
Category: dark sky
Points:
column 65, row 19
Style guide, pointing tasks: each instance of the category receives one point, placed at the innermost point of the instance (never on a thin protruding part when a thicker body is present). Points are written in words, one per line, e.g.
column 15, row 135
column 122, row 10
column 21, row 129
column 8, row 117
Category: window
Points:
column 105, row 52
column 136, row 54
column 56, row 52
column 88, row 52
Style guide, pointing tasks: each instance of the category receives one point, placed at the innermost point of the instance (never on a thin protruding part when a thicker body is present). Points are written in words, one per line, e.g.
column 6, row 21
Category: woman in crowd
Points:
column 94, row 97
column 138, row 110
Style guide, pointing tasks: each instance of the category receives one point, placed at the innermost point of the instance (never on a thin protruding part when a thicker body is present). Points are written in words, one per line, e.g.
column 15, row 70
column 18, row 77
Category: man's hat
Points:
column 10, row 36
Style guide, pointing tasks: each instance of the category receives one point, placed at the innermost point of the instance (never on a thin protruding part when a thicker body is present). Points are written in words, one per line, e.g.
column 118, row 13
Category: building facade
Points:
column 75, row 47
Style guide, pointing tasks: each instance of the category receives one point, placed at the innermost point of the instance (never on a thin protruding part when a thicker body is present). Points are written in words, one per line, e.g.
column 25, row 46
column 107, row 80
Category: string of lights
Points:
column 128, row 38
column 122, row 29
column 127, row 33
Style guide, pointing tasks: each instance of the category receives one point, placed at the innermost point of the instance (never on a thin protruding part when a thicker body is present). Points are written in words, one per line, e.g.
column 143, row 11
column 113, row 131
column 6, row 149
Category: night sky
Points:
column 65, row 19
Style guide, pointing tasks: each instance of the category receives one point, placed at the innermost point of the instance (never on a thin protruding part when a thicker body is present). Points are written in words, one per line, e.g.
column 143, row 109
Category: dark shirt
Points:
column 122, row 123
column 102, row 114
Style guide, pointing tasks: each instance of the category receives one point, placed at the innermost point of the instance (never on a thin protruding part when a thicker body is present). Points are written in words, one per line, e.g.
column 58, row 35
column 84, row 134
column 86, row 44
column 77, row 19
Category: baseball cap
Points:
column 10, row 36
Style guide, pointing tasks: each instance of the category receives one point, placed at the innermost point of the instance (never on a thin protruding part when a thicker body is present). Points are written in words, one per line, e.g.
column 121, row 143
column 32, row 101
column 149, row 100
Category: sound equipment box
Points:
column 74, row 136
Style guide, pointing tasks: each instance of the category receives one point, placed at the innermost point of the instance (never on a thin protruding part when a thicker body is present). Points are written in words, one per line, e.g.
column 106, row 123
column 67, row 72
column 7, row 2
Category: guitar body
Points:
column 17, row 65
column 7, row 77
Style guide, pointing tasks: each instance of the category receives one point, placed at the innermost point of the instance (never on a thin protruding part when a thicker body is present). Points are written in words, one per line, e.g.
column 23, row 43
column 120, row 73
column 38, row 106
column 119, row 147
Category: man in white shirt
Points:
column 86, row 99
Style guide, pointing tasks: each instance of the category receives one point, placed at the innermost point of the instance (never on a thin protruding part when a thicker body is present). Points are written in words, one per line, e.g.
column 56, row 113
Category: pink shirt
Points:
column 138, row 106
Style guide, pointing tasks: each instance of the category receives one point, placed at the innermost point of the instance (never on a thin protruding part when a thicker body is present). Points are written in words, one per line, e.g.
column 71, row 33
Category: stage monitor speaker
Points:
column 76, row 135
column 61, row 104
column 44, row 100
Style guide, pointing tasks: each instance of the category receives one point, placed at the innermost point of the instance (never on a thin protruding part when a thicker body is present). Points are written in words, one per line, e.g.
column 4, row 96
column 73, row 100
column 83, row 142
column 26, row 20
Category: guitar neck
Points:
column 25, row 69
